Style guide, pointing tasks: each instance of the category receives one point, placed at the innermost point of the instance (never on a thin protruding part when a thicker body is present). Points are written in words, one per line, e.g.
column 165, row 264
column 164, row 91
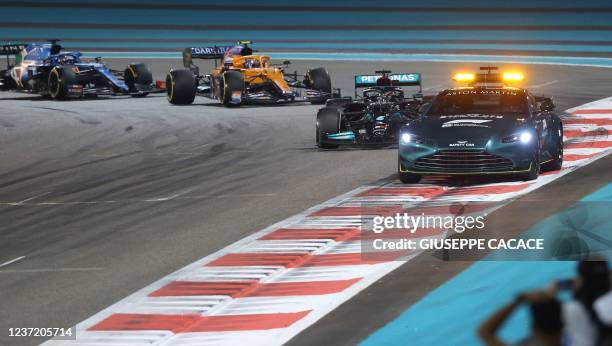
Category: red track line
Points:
column 591, row 133
column 487, row 190
column 586, row 145
column 576, row 157
column 190, row 323
column 592, row 111
column 588, row 121
column 425, row 192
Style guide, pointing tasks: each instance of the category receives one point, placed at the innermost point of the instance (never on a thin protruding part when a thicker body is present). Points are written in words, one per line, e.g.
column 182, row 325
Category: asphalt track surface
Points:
column 105, row 196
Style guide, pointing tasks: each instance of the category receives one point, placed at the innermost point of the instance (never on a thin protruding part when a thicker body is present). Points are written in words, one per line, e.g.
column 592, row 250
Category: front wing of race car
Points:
column 357, row 138
column 264, row 96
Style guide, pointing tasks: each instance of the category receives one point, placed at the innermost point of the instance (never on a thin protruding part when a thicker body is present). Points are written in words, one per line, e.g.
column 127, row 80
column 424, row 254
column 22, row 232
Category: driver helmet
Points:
column 251, row 63
column 66, row 59
column 384, row 80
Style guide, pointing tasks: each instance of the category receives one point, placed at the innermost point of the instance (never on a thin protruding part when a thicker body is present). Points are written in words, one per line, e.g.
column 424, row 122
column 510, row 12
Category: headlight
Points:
column 523, row 137
column 405, row 138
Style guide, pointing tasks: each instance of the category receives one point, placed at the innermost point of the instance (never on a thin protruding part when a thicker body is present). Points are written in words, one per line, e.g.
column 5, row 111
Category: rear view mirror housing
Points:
column 545, row 104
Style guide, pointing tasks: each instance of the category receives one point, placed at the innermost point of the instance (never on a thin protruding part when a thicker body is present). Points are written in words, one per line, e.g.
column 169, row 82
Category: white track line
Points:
column 12, row 261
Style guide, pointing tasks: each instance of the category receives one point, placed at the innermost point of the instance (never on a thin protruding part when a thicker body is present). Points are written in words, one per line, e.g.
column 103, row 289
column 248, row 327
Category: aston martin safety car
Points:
column 43, row 68
column 242, row 77
column 488, row 127
column 372, row 118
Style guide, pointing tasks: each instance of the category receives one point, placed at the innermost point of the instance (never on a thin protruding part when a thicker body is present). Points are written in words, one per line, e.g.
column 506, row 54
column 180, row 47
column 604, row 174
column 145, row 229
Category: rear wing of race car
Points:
column 12, row 49
column 397, row 79
column 214, row 52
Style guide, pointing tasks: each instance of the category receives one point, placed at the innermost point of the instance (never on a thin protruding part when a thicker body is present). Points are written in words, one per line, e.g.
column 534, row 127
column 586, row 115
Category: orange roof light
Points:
column 464, row 77
column 513, row 77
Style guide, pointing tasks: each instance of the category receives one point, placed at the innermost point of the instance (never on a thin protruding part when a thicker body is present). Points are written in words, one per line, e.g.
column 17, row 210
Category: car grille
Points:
column 464, row 161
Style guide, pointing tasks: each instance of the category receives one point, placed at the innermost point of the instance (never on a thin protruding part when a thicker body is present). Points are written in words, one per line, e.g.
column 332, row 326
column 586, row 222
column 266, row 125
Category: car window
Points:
column 485, row 101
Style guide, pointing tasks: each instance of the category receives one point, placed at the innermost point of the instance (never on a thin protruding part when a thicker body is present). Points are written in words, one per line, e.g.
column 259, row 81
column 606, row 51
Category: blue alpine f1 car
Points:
column 42, row 68
column 489, row 127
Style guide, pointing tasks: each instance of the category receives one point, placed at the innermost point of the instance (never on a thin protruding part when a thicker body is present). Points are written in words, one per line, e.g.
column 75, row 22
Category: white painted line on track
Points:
column 31, row 198
column 536, row 86
column 12, row 261
column 177, row 196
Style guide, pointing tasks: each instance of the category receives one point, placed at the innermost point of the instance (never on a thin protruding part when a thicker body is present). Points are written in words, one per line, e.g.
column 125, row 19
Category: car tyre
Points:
column 406, row 177
column 231, row 82
column 137, row 76
column 557, row 156
column 6, row 81
column 534, row 171
column 180, row 87
column 328, row 121
column 59, row 81
column 318, row 79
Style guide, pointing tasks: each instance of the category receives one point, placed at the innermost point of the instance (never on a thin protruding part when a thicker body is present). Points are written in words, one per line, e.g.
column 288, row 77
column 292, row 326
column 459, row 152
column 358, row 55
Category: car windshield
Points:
column 475, row 101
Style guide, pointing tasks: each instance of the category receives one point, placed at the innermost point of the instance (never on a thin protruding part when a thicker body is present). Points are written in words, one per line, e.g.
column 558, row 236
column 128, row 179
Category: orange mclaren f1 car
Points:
column 242, row 77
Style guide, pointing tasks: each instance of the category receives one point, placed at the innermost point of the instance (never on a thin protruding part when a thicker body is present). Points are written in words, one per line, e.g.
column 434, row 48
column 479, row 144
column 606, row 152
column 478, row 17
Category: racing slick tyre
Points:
column 328, row 121
column 557, row 155
column 318, row 79
column 405, row 177
column 232, row 85
column 180, row 87
column 137, row 77
column 6, row 81
column 59, row 81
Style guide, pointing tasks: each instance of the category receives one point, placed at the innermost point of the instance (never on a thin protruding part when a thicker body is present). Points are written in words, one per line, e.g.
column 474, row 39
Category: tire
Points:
column 231, row 82
column 8, row 83
column 534, row 171
column 180, row 87
column 318, row 79
column 557, row 155
column 60, row 78
column 328, row 121
column 405, row 177
column 137, row 74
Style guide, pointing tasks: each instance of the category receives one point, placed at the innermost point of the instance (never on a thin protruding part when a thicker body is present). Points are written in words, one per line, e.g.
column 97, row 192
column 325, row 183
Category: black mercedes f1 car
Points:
column 373, row 118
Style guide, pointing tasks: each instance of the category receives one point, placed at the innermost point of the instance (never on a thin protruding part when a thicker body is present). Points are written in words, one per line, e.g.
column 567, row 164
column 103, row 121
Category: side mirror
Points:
column 546, row 105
